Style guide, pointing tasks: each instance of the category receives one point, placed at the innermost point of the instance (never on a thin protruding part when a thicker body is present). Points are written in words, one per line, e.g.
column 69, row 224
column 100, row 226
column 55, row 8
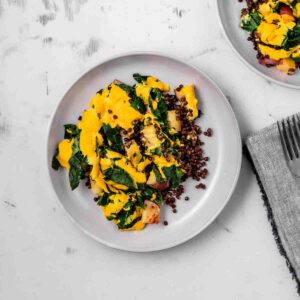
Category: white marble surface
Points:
column 44, row 46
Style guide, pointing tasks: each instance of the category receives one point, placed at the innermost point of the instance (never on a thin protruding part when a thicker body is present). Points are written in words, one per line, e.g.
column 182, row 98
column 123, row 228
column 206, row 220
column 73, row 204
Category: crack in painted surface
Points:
column 179, row 12
column 73, row 7
column 91, row 48
column 8, row 52
column 203, row 52
column 4, row 126
column 44, row 19
column 19, row 3
column 9, row 204
column 222, row 226
column 70, row 251
column 47, row 40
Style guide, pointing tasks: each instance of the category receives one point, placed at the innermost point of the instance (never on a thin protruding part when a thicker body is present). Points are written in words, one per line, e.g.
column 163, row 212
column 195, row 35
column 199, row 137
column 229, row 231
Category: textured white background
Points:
column 44, row 46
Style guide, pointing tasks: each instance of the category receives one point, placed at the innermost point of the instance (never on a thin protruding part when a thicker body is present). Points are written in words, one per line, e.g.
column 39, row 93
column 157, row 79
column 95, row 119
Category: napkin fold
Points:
column 280, row 193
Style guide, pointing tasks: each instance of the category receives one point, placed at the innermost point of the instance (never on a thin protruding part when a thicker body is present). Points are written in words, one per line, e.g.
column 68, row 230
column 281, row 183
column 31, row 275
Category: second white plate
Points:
column 229, row 14
column 224, row 150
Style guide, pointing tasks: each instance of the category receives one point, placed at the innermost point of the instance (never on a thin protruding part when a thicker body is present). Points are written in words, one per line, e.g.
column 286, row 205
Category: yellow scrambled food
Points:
column 126, row 145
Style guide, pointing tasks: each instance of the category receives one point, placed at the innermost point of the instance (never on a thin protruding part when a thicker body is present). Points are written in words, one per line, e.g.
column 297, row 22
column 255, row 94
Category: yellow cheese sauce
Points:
column 155, row 83
column 188, row 92
column 274, row 53
column 138, row 177
column 143, row 91
column 114, row 107
column 117, row 201
column 65, row 153
column 274, row 28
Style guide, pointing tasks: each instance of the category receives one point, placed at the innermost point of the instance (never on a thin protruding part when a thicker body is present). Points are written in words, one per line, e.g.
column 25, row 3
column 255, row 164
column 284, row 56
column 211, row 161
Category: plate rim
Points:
column 251, row 67
column 237, row 132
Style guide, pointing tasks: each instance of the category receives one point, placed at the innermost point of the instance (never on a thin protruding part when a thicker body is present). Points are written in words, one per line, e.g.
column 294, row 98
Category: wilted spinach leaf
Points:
column 78, row 165
column 71, row 131
column 75, row 172
column 173, row 174
column 112, row 138
column 161, row 112
column 157, row 151
column 296, row 59
column 124, row 215
column 292, row 38
column 140, row 202
column 147, row 193
column 138, row 104
column 124, row 221
column 159, row 198
column 157, row 174
column 120, row 176
column 251, row 21
column 139, row 78
column 55, row 163
column 103, row 200
column 127, row 88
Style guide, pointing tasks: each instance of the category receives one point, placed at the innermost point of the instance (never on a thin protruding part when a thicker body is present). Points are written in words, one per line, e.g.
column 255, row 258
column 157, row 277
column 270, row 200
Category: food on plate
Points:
column 134, row 146
column 274, row 28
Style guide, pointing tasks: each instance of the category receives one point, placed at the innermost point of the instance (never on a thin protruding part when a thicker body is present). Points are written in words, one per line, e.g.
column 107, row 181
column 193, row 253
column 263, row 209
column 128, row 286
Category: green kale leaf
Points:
column 103, row 200
column 173, row 174
column 251, row 21
column 292, row 38
column 138, row 104
column 118, row 175
column 55, row 163
column 139, row 78
column 127, row 88
column 71, row 131
column 112, row 138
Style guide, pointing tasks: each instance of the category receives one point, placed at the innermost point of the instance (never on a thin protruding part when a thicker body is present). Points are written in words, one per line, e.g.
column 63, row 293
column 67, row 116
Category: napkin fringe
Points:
column 272, row 221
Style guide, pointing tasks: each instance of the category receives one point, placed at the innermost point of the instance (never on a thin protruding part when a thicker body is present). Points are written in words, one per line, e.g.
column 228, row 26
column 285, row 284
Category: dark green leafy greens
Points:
column 103, row 200
column 55, row 163
column 296, row 59
column 173, row 174
column 138, row 104
column 127, row 88
column 157, row 174
column 292, row 38
column 157, row 151
column 251, row 21
column 161, row 112
column 71, row 131
column 148, row 192
column 119, row 175
column 75, row 172
column 159, row 198
column 78, row 165
column 112, row 138
column 139, row 78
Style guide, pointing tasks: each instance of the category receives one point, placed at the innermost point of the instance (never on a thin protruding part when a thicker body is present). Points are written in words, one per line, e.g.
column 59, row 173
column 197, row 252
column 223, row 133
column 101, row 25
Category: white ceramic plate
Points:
column 229, row 14
column 224, row 150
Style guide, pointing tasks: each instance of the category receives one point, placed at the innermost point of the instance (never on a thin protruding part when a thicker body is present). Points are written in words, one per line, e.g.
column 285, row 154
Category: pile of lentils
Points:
column 192, row 157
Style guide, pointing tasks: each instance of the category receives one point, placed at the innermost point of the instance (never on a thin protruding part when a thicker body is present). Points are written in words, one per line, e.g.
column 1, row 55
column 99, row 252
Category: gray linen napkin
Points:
column 281, row 192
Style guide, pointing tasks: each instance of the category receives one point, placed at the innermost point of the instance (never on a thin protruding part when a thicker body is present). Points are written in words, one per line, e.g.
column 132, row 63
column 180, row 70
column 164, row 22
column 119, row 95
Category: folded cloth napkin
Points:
column 281, row 193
